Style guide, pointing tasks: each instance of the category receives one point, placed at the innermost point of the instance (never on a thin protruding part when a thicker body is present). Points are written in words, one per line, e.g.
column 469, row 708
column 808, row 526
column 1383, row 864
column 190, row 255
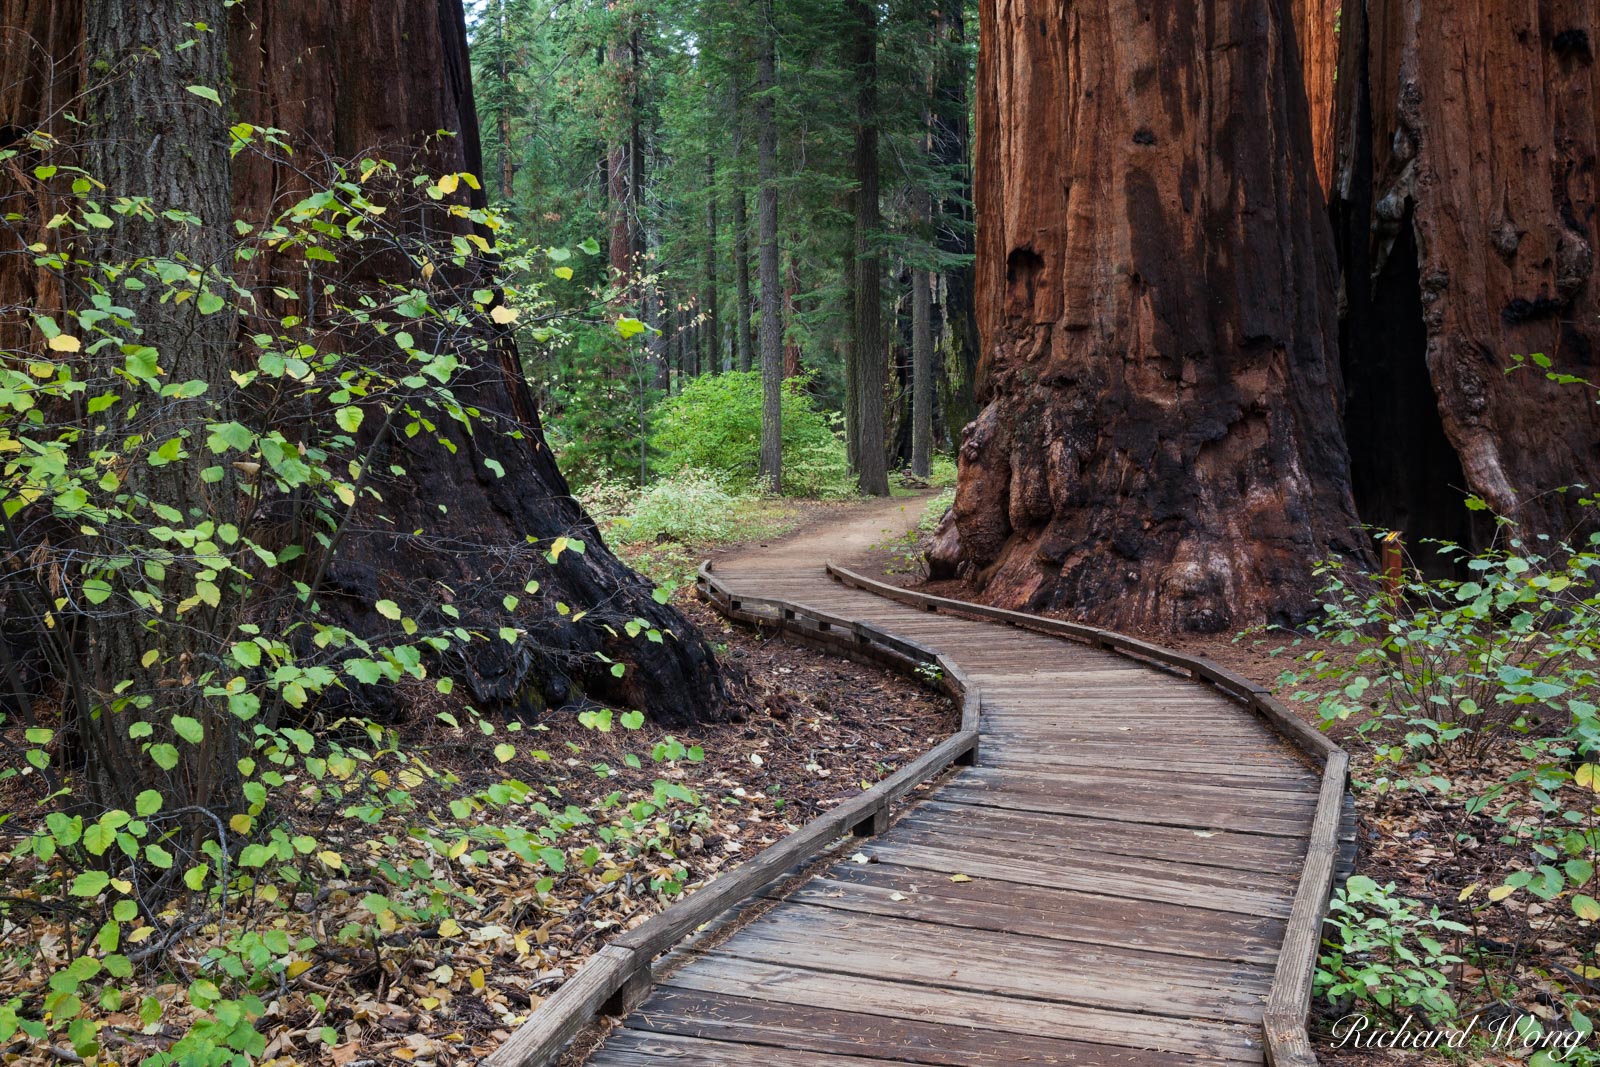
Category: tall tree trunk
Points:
column 952, row 146
column 508, row 168
column 1465, row 202
column 743, row 336
column 868, row 362
column 344, row 101
column 921, row 372
column 1159, row 443
column 771, row 468
column 791, row 293
column 152, row 138
column 708, row 292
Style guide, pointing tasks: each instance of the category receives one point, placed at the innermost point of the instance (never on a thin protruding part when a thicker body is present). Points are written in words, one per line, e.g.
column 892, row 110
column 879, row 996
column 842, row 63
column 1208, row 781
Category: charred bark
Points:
column 1465, row 203
column 1159, row 443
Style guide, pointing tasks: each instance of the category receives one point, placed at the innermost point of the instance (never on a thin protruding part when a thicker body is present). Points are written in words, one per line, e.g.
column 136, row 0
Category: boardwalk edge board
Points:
column 1287, row 1043
column 618, row 977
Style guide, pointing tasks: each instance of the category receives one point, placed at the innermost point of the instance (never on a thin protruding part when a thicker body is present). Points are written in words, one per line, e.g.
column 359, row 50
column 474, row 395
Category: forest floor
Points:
column 813, row 731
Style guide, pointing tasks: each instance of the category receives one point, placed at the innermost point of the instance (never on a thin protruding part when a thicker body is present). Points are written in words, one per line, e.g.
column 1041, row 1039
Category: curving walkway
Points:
column 1110, row 884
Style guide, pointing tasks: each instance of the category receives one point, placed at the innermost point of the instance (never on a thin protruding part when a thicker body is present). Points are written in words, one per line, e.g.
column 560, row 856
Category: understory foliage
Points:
column 1476, row 696
column 187, row 845
column 714, row 424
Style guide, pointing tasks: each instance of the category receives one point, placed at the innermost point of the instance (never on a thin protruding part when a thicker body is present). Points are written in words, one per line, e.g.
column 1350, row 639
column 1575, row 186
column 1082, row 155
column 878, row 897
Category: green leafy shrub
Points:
column 714, row 425
column 689, row 507
column 1386, row 958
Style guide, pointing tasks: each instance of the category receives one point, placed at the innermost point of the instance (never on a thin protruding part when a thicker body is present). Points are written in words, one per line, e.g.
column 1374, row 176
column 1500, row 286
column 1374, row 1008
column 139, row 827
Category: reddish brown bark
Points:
column 1316, row 26
column 1159, row 439
column 1465, row 195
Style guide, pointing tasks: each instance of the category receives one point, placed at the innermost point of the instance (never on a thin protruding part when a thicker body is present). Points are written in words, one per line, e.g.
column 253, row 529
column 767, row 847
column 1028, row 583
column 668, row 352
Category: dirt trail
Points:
column 846, row 535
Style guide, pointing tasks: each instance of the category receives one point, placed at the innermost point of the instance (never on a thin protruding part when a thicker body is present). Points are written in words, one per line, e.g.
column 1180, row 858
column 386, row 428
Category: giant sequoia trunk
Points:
column 348, row 79
column 1465, row 201
column 1159, row 442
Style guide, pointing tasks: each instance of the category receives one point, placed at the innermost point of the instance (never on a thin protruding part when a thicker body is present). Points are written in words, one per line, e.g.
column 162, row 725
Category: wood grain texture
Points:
column 1115, row 881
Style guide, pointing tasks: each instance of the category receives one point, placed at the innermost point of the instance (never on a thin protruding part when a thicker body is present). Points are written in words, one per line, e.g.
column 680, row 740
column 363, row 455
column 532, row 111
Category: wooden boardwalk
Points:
column 1110, row 884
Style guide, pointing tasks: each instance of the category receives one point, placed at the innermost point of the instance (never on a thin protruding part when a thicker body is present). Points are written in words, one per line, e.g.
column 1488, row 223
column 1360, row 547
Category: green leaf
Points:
column 632, row 720
column 349, row 418
column 1586, row 907
column 188, row 729
column 140, row 363
column 209, row 303
column 205, row 92
column 505, row 753
column 96, row 590
column 628, row 327
column 165, row 755
column 159, row 856
column 147, row 803
column 589, row 246
column 90, row 884
column 388, row 609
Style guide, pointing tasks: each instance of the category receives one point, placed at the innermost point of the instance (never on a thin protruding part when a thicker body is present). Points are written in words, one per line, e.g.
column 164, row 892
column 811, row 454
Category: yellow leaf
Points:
column 240, row 824
column 564, row 273
column 140, row 934
column 429, row 1003
column 268, row 893
column 332, row 859
column 1586, row 776
column 476, row 978
column 428, row 269
column 960, row 878
column 449, row 928
column 1586, row 907
column 41, row 370
column 448, row 183
column 1467, row 892
column 1500, row 892
column 122, row 885
column 456, row 849
column 297, row 967
column 503, row 315
column 62, row 342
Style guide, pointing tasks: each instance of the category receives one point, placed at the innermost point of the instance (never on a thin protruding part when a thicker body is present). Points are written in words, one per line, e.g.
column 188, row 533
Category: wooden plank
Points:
column 984, row 1011
column 980, row 961
column 632, row 1048
column 1284, row 1023
column 828, row 1032
column 1105, row 877
column 1031, row 835
column 1148, row 758
column 1194, row 814
column 1207, row 776
column 1175, row 789
column 540, row 1040
column 1055, row 914
column 1221, row 869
